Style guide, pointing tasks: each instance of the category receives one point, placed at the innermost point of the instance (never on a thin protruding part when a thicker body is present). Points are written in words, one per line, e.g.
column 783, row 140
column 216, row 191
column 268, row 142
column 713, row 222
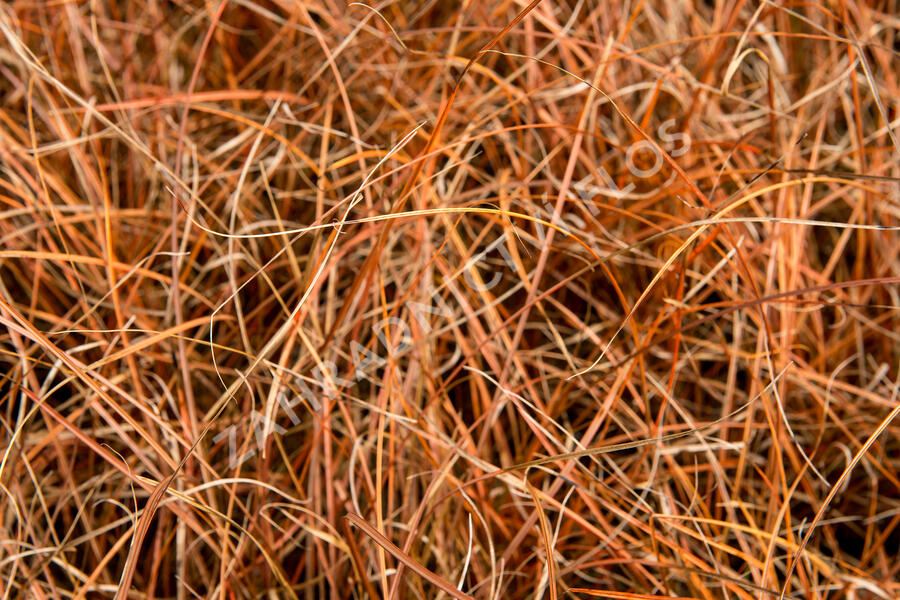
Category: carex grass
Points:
column 489, row 300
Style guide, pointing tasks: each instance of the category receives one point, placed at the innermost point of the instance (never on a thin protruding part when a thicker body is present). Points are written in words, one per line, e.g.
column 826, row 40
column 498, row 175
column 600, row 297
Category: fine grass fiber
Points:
column 449, row 299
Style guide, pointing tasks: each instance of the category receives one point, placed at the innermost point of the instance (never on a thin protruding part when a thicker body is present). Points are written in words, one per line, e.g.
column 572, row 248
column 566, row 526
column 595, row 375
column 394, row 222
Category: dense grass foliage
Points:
column 493, row 299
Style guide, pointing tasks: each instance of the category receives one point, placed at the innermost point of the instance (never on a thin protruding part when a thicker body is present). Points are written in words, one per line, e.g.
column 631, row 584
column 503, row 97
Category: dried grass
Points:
column 335, row 300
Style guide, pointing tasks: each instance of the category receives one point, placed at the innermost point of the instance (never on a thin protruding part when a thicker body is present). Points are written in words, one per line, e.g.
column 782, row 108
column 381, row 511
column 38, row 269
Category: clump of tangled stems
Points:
column 439, row 299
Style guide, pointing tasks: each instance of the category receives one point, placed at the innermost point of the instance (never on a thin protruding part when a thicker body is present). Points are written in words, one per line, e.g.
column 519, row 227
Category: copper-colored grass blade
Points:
column 624, row 595
column 406, row 559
